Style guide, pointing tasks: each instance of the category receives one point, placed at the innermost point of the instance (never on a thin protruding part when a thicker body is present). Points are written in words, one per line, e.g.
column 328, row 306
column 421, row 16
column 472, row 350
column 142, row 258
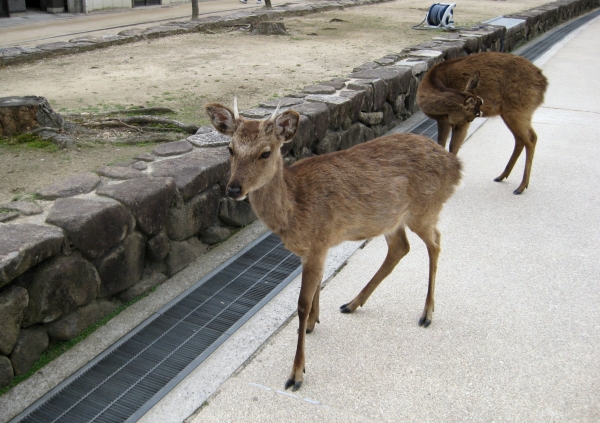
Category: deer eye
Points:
column 265, row 155
column 230, row 151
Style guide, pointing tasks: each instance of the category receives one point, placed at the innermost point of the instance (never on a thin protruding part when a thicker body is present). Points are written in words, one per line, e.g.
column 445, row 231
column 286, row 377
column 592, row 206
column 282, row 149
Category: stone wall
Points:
column 97, row 240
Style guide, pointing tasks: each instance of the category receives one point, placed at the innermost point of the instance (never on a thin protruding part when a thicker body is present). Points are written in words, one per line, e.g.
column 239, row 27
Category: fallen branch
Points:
column 137, row 111
column 148, row 120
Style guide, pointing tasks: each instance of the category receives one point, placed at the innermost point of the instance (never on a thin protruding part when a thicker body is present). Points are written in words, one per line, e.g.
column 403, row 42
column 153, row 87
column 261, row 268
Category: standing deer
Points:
column 456, row 91
column 375, row 188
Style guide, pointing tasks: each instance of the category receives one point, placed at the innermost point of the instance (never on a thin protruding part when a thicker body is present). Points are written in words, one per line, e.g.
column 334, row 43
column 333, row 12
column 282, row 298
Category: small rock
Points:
column 81, row 183
column 28, row 208
column 319, row 89
column 209, row 139
column 215, row 234
column 173, row 148
column 235, row 213
column 6, row 371
column 115, row 172
column 73, row 324
column 141, row 165
column 30, row 345
column 374, row 118
column 13, row 301
column 6, row 217
column 146, row 284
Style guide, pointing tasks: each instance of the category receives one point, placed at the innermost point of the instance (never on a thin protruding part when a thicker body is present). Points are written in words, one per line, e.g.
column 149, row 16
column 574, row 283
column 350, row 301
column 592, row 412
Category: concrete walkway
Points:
column 40, row 27
column 515, row 335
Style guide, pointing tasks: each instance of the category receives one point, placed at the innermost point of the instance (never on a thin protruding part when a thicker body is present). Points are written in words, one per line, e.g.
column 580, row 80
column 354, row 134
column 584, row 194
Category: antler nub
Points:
column 274, row 115
column 236, row 114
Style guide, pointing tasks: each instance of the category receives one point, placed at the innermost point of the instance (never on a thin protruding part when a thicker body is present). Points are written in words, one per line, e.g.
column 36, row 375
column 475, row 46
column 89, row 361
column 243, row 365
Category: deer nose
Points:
column 234, row 191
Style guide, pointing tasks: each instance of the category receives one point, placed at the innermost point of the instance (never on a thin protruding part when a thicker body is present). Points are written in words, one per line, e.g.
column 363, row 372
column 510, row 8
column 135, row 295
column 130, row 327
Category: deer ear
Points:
column 221, row 118
column 470, row 102
column 286, row 125
column 473, row 82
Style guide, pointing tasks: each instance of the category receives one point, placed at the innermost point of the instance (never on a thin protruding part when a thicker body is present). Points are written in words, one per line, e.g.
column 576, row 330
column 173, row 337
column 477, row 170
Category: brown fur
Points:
column 508, row 85
column 375, row 188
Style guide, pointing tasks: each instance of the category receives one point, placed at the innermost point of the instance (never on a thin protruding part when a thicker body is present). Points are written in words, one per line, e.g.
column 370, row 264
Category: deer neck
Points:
column 273, row 202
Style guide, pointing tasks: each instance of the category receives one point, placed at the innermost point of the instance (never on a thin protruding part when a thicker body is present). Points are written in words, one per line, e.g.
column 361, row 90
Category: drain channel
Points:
column 126, row 380
column 428, row 127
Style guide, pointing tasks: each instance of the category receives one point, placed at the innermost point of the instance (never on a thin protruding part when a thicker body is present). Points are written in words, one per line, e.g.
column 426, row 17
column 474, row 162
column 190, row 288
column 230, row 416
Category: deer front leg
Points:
column 459, row 133
column 443, row 127
column 312, row 273
column 313, row 316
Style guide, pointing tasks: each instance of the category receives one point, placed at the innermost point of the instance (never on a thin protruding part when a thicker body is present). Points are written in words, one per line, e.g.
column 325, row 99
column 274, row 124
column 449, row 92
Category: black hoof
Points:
column 309, row 330
column 517, row 192
column 424, row 322
column 289, row 383
column 297, row 386
column 498, row 179
column 345, row 309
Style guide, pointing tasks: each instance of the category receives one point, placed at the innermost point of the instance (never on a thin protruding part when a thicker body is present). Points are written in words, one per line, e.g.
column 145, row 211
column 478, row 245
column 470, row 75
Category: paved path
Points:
column 515, row 335
column 40, row 27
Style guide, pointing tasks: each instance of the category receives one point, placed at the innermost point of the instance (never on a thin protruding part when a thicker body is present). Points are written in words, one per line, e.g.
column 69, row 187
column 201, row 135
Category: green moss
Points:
column 28, row 141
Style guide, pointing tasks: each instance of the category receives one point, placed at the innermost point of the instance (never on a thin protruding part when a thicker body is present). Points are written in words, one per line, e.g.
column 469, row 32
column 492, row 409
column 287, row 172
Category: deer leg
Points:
column 525, row 137
column 398, row 247
column 443, row 127
column 431, row 237
column 459, row 133
column 312, row 274
column 313, row 316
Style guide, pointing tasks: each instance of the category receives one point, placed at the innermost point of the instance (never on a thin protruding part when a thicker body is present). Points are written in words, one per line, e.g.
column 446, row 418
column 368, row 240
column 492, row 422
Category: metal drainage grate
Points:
column 428, row 127
column 126, row 380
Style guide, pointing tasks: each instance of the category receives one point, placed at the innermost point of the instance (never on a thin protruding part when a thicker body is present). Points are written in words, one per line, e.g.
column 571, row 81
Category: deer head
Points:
column 255, row 145
column 471, row 105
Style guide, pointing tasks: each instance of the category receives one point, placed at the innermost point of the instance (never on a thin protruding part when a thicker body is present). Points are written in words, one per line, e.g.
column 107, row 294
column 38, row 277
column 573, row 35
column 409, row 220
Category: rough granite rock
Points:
column 7, row 217
column 147, row 199
column 330, row 142
column 379, row 87
column 145, row 285
column 195, row 171
column 173, row 148
column 283, row 102
column 13, row 301
column 183, row 253
column 81, row 183
column 319, row 89
column 25, row 245
column 30, row 345
column 158, row 246
column 367, row 104
column 339, row 108
column 6, row 371
column 122, row 266
column 303, row 137
column 373, row 118
column 70, row 326
column 235, row 213
column 195, row 216
column 318, row 116
column 145, row 157
column 119, row 172
column 92, row 225
column 209, row 139
column 357, row 97
column 215, row 234
column 139, row 165
column 352, row 136
column 27, row 208
column 57, row 286
column 396, row 78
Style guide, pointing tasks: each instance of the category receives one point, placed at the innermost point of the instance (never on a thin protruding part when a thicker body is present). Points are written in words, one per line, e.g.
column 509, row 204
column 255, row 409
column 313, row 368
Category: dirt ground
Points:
column 184, row 72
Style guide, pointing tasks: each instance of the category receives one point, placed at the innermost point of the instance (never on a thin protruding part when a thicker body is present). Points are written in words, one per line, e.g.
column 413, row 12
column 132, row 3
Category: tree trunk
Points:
column 22, row 114
column 195, row 9
column 268, row 3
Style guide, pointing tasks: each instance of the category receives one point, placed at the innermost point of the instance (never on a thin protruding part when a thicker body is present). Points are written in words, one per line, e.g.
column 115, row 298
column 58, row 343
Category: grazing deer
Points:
column 456, row 91
column 375, row 188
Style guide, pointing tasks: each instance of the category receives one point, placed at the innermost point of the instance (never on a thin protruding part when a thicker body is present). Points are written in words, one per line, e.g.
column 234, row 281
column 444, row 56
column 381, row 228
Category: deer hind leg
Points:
column 525, row 137
column 313, row 316
column 431, row 237
column 443, row 127
column 459, row 133
column 312, row 274
column 398, row 247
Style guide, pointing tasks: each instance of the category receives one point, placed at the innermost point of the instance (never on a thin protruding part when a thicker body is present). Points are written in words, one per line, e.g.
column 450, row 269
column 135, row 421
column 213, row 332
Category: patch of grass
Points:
column 28, row 141
column 59, row 348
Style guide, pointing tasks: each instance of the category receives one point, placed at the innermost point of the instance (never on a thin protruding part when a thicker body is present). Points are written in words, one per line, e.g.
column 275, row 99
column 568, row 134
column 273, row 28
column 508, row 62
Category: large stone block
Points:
column 339, row 107
column 194, row 216
column 147, row 199
column 215, row 234
column 330, row 142
column 395, row 77
column 58, row 286
column 195, row 171
column 92, row 225
column 303, row 138
column 122, row 266
column 13, row 301
column 6, row 371
column 30, row 345
column 375, row 96
column 352, row 136
column 70, row 326
column 81, row 183
column 183, row 253
column 23, row 246
column 318, row 115
column 147, row 282
column 357, row 97
column 235, row 213
column 158, row 246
